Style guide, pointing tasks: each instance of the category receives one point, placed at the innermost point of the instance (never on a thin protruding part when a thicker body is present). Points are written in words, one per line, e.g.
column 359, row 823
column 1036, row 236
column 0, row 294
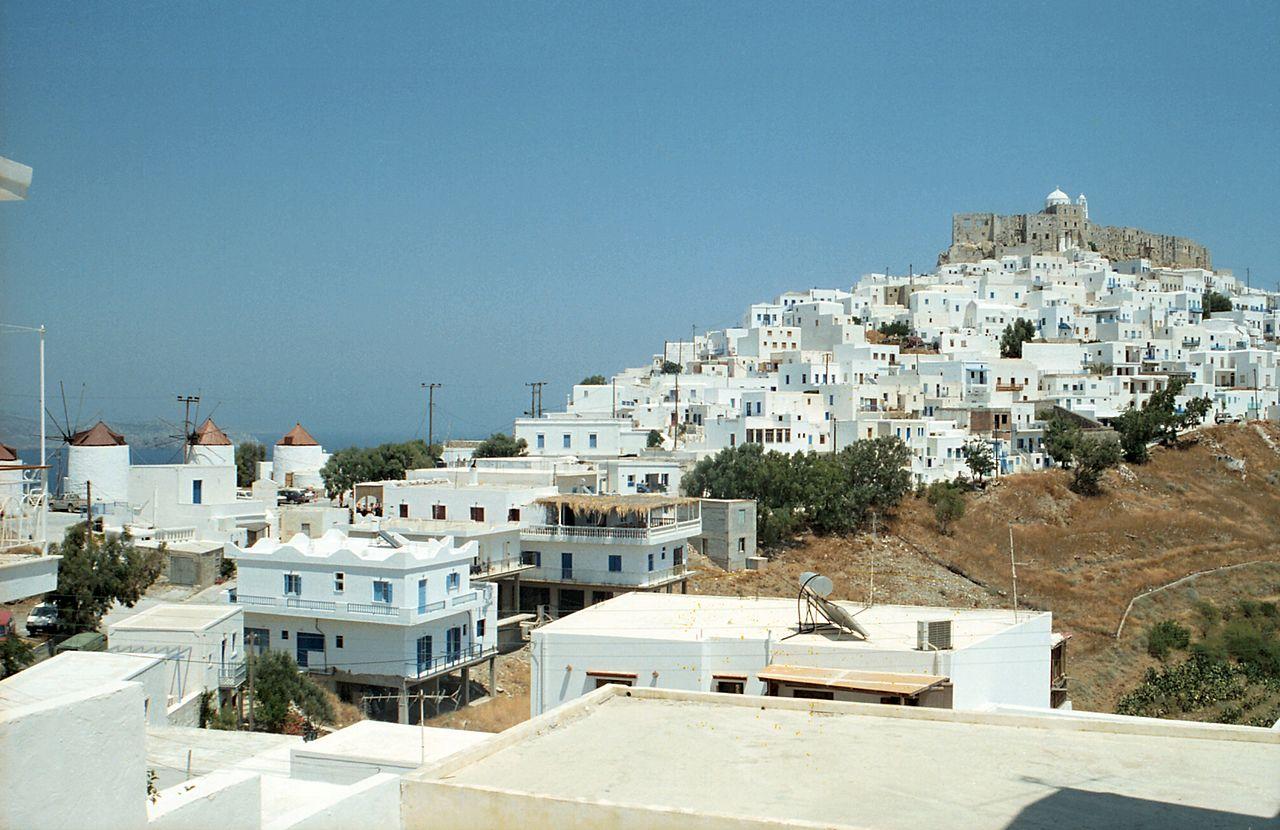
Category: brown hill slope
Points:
column 1082, row 558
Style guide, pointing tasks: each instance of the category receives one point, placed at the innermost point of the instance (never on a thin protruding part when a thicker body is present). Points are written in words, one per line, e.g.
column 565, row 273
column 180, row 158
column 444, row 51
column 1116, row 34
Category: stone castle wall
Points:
column 976, row 236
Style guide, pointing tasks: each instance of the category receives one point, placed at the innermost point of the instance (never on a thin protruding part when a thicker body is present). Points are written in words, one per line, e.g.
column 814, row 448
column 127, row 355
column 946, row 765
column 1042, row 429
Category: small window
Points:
column 477, row 514
column 591, row 441
column 293, row 584
column 812, row 694
column 437, row 511
column 453, row 581
column 542, row 441
column 566, row 440
column 404, row 511
column 730, row 687
column 615, row 563
column 651, row 561
column 284, row 635
column 338, row 641
column 339, row 582
column 513, row 514
column 621, row 681
column 479, row 629
column 742, row 544
column 306, row 528
column 381, row 591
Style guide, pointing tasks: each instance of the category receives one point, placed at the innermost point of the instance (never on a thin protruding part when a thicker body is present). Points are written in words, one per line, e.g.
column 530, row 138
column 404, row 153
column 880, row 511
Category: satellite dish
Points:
column 816, row 583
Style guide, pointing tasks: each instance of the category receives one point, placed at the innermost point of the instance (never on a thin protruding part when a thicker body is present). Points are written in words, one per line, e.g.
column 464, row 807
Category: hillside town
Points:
column 270, row 593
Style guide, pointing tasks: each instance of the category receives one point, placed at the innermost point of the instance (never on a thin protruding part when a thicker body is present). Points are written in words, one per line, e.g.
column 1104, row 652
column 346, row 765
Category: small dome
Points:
column 1057, row 197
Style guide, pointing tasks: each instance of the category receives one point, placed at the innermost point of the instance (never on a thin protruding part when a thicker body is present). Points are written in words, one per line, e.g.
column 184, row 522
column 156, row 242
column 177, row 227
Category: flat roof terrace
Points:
column 659, row 758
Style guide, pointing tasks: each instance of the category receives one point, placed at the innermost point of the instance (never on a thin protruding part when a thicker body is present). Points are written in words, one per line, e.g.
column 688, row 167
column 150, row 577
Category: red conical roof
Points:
column 208, row 435
column 8, row 453
column 297, row 437
column 98, row 435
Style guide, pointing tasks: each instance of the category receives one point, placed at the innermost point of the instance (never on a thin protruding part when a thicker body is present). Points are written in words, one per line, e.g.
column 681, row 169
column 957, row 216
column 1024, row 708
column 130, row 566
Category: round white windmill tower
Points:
column 98, row 456
column 297, row 459
column 210, row 445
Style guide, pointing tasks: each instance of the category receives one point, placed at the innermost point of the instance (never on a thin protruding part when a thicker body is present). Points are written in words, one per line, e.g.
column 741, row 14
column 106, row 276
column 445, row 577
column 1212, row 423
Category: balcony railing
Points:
column 377, row 610
column 448, row 660
column 231, row 675
column 652, row 533
column 314, row 604
column 597, row 576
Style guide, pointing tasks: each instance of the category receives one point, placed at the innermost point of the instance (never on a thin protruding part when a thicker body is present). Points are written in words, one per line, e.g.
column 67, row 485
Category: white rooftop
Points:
column 376, row 742
column 70, row 672
column 172, row 616
column 819, row 763
column 652, row 615
column 335, row 544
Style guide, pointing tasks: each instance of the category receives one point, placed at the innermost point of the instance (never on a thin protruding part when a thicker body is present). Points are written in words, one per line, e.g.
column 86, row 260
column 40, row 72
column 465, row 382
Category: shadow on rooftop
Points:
column 1070, row 808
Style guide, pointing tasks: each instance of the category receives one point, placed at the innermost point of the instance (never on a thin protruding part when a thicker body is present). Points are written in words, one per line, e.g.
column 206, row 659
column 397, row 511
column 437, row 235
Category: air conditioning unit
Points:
column 933, row 635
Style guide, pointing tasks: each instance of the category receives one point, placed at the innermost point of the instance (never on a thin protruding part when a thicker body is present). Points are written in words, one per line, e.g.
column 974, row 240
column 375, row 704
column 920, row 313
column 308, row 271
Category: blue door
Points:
column 424, row 653
column 307, row 643
column 453, row 644
column 566, row 566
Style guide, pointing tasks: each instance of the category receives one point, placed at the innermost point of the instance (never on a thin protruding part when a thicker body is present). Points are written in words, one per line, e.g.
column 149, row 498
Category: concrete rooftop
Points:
column 69, row 672
column 177, row 617
column 869, row 766
column 377, row 742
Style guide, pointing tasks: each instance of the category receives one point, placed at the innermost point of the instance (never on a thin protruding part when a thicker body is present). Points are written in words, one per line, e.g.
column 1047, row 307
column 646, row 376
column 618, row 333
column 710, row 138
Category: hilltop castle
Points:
column 1060, row 227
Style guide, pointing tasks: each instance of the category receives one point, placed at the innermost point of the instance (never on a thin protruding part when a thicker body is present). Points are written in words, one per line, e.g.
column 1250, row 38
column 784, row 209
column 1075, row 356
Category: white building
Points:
column 297, row 458
column 584, row 548
column 368, row 615
column 98, row 463
column 969, row 658
column 202, row 645
column 194, row 501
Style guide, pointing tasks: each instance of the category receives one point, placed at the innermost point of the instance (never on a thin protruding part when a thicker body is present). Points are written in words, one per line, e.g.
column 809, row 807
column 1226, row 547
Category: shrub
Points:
column 1092, row 456
column 1165, row 636
column 948, row 503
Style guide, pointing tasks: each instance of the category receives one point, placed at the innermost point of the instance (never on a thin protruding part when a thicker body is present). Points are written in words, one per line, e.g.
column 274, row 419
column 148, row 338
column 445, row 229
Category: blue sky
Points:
column 304, row 210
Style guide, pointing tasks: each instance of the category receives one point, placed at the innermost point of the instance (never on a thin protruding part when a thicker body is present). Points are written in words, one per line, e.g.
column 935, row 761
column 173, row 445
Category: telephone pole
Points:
column 535, row 397
column 431, row 411
column 187, row 427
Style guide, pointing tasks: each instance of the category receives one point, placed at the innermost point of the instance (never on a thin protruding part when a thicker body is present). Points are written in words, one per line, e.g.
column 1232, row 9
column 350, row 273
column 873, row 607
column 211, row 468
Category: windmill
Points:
column 186, row 436
column 66, row 430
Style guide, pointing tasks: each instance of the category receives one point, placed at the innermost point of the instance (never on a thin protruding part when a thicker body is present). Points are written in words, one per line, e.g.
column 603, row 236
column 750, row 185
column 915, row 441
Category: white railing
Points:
column 378, row 610
column 174, row 534
column 655, row 532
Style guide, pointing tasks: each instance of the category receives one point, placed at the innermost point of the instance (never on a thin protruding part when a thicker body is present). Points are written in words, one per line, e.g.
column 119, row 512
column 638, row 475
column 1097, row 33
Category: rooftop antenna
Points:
column 188, row 425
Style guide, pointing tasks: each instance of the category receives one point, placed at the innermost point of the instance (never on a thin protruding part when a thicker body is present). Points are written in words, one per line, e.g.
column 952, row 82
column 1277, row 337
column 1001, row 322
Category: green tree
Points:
column 277, row 683
column 385, row 462
column 1061, row 435
column 896, row 329
column 671, row 367
column 593, row 380
column 1215, row 302
column 948, row 503
column 500, row 445
column 1014, row 335
column 95, row 572
column 979, row 458
column 1165, row 636
column 15, row 655
column 1158, row 419
column 654, row 440
column 1093, row 455
column 248, row 454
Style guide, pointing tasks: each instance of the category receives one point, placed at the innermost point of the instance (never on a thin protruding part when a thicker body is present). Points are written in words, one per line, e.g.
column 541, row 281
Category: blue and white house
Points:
column 368, row 616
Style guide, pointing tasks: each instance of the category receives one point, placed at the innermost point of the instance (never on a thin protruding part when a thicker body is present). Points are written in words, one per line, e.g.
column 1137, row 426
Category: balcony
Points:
column 597, row 576
column 231, row 675
column 367, row 611
column 657, row 533
column 436, row 663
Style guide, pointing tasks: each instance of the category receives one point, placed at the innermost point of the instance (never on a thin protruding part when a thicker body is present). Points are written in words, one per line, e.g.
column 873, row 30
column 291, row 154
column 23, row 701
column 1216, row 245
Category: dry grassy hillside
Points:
column 1082, row 558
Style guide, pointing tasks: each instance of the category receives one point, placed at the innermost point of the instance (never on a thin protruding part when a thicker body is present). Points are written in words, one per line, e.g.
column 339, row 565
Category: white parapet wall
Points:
column 220, row 799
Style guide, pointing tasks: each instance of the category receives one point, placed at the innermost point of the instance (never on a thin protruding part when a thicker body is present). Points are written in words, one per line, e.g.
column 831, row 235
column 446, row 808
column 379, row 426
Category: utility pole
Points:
column 535, row 397
column 88, row 511
column 249, row 691
column 615, row 395
column 1013, row 568
column 431, row 411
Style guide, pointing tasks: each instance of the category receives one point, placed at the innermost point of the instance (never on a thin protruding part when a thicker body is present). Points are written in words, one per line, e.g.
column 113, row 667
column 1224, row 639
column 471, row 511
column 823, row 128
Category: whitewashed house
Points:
column 950, row 658
column 585, row 548
column 368, row 616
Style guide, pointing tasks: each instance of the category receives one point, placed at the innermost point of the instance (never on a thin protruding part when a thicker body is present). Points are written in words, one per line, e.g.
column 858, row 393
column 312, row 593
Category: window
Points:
column 730, row 687
column 591, row 440
column 477, row 514
column 284, row 635
column 381, row 591
column 615, row 563
column 566, row 566
column 437, row 511
column 293, row 584
column 513, row 514
column 566, row 440
column 651, row 561
column 339, row 582
column 542, row 441
column 677, row 555
column 479, row 629
column 742, row 544
column 306, row 528
column 812, row 694
column 337, row 641
column 422, row 596
column 404, row 511
column 621, row 681
column 197, row 491
column 453, row 581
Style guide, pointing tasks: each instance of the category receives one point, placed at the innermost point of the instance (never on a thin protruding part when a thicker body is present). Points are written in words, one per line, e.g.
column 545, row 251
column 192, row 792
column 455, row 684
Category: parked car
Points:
column 69, row 503
column 43, row 619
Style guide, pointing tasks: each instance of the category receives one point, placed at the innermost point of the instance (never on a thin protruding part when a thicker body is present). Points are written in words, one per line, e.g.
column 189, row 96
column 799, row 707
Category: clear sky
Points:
column 303, row 210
